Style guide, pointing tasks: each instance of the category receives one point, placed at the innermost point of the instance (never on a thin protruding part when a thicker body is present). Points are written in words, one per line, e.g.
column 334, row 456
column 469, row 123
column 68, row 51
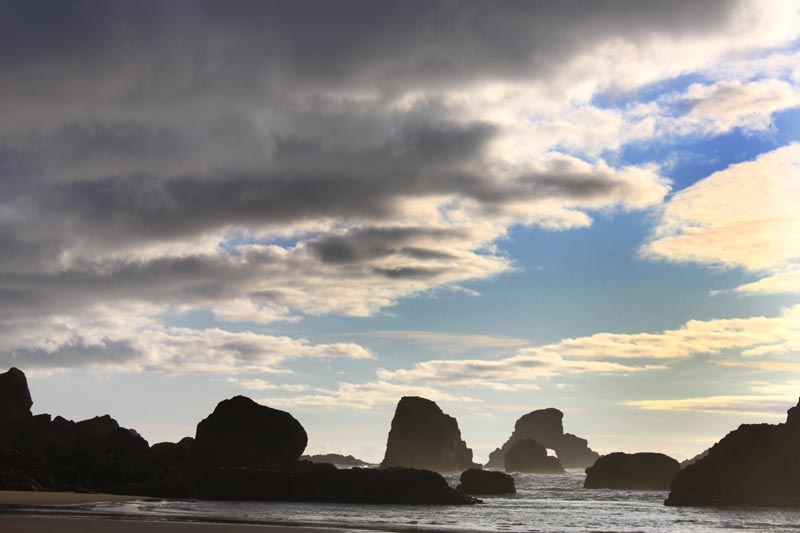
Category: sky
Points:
column 500, row 206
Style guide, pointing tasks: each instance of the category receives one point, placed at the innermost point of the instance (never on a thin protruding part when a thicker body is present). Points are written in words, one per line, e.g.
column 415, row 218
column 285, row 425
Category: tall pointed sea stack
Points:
column 422, row 436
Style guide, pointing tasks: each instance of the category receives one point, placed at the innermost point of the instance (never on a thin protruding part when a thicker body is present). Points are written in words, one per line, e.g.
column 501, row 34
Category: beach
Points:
column 35, row 524
column 26, row 501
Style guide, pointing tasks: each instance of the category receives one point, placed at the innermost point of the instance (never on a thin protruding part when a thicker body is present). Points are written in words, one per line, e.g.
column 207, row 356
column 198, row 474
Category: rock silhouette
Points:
column 754, row 465
column 479, row 482
column 636, row 471
column 243, row 451
column 545, row 426
column 528, row 456
column 241, row 432
column 334, row 459
column 15, row 398
column 422, row 436
column 354, row 485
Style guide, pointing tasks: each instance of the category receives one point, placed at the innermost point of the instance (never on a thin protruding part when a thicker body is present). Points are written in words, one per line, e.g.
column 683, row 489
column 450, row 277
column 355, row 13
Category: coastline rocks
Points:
column 15, row 398
column 243, row 451
column 530, row 457
column 334, row 459
column 479, row 482
column 545, row 426
column 356, row 485
column 241, row 432
column 637, row 471
column 422, row 436
column 754, row 465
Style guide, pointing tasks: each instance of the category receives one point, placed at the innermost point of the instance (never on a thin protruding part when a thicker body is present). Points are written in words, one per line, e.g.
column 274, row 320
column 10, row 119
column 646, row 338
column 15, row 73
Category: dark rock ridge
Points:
column 528, row 456
column 422, row 436
column 334, row 459
column 545, row 426
column 241, row 432
column 479, row 482
column 694, row 459
column 754, row 465
column 633, row 471
column 243, row 451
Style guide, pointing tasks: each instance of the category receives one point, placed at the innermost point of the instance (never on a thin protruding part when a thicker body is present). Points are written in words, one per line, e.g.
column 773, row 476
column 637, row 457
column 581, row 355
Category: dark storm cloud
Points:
column 372, row 243
column 325, row 44
column 147, row 114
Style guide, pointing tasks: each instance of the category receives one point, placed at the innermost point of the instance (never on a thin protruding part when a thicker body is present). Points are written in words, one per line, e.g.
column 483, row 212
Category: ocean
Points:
column 543, row 503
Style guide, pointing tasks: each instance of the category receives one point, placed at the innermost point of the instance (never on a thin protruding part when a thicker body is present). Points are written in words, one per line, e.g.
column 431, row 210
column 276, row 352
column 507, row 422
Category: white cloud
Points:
column 754, row 405
column 123, row 339
column 600, row 353
column 787, row 282
column 364, row 396
column 743, row 216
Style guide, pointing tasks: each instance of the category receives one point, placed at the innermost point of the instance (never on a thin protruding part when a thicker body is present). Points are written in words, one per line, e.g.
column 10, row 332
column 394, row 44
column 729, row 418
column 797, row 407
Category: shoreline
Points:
column 66, row 512
column 24, row 498
column 28, row 523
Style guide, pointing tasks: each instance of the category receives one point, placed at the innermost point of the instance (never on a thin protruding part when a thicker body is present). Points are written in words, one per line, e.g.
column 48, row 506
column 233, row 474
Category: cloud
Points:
column 364, row 396
column 769, row 366
column 752, row 405
column 743, row 216
column 602, row 352
column 124, row 340
column 262, row 385
column 266, row 164
column 443, row 342
column 787, row 282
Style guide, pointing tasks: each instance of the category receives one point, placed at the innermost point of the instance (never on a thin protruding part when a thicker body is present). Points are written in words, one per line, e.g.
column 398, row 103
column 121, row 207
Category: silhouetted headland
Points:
column 241, row 451
column 632, row 471
column 754, row 465
column 545, row 426
column 422, row 436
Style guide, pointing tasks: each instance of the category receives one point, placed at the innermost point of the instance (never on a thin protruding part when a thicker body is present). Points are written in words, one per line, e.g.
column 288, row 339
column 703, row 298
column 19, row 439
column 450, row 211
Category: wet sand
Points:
column 21, row 497
column 35, row 524
column 31, row 523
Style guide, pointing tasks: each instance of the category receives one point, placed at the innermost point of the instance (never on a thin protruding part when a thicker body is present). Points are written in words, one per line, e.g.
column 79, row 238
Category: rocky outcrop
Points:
column 754, row 465
column 528, row 456
column 15, row 398
column 334, row 459
column 478, row 482
column 637, row 471
column 422, row 436
column 242, row 433
column 243, row 451
column 545, row 426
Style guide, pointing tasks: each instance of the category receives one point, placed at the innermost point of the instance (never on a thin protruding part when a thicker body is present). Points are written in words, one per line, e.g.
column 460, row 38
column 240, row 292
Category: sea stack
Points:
column 632, row 471
column 241, row 432
column 545, row 426
column 15, row 398
column 530, row 457
column 422, row 436
column 754, row 465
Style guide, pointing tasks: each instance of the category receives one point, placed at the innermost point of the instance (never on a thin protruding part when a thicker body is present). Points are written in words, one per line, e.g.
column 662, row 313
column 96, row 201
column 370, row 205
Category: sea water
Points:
column 546, row 503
